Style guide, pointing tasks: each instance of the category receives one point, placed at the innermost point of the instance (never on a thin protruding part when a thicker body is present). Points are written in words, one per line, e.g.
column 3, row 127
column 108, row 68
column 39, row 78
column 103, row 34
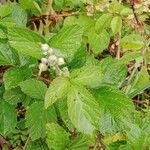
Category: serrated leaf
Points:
column 13, row 76
column 116, row 24
column 80, row 102
column 8, row 118
column 5, row 10
column 81, row 142
column 18, row 14
column 36, row 119
column 57, row 89
column 7, row 56
column 79, row 58
column 36, row 146
column 29, row 4
column 57, row 137
column 13, row 96
column 113, row 101
column 115, row 74
column 34, row 88
column 25, row 41
column 98, row 42
column 132, row 42
column 103, row 22
column 89, row 76
column 143, row 78
column 68, row 39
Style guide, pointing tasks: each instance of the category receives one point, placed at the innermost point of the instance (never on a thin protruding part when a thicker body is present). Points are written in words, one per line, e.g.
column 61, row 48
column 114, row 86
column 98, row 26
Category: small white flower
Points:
column 42, row 67
column 50, row 51
column 66, row 72
column 52, row 60
column 44, row 47
column 44, row 60
column 61, row 61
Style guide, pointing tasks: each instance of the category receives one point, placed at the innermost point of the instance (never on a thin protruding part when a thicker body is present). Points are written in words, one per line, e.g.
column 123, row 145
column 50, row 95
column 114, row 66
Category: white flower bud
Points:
column 61, row 61
column 44, row 47
column 50, row 51
column 52, row 60
column 66, row 72
column 42, row 67
column 44, row 60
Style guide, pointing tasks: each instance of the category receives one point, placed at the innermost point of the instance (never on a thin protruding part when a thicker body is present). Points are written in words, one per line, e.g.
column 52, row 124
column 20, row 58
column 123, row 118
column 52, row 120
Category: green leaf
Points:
column 34, row 88
column 116, row 24
column 13, row 96
column 132, row 42
column 25, row 41
column 28, row 4
column 113, row 101
column 18, row 14
column 8, row 118
column 57, row 89
column 89, row 76
column 36, row 119
column 7, row 22
column 13, row 76
column 98, row 42
column 5, row 10
column 68, row 39
column 7, row 56
column 36, row 146
column 115, row 74
column 57, row 138
column 79, row 58
column 142, row 78
column 80, row 143
column 103, row 22
column 80, row 102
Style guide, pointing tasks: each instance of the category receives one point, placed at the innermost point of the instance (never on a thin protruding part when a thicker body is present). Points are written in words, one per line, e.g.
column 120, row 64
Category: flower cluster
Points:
column 53, row 61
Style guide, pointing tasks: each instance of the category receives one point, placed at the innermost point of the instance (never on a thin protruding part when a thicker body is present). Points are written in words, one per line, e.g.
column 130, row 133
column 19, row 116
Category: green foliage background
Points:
column 104, row 103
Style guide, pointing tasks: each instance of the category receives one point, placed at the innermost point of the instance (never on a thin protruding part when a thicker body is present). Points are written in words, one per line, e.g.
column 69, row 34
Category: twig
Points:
column 27, row 141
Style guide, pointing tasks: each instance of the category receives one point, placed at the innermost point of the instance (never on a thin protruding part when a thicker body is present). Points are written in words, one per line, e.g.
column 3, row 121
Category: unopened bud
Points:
column 52, row 60
column 44, row 60
column 42, row 67
column 44, row 47
column 61, row 61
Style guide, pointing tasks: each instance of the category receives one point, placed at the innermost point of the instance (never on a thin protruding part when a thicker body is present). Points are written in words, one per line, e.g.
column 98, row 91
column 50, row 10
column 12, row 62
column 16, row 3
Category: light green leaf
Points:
column 68, row 39
column 7, row 22
column 18, row 14
column 113, row 101
column 28, row 4
column 103, row 22
column 98, row 42
column 115, row 74
column 57, row 137
column 132, row 42
column 37, row 145
column 116, row 24
column 57, row 89
column 142, row 78
column 79, row 58
column 8, row 118
column 80, row 102
column 34, row 88
column 13, row 96
column 36, row 119
column 5, row 10
column 7, row 56
column 13, row 76
column 80, row 143
column 89, row 75
column 25, row 41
